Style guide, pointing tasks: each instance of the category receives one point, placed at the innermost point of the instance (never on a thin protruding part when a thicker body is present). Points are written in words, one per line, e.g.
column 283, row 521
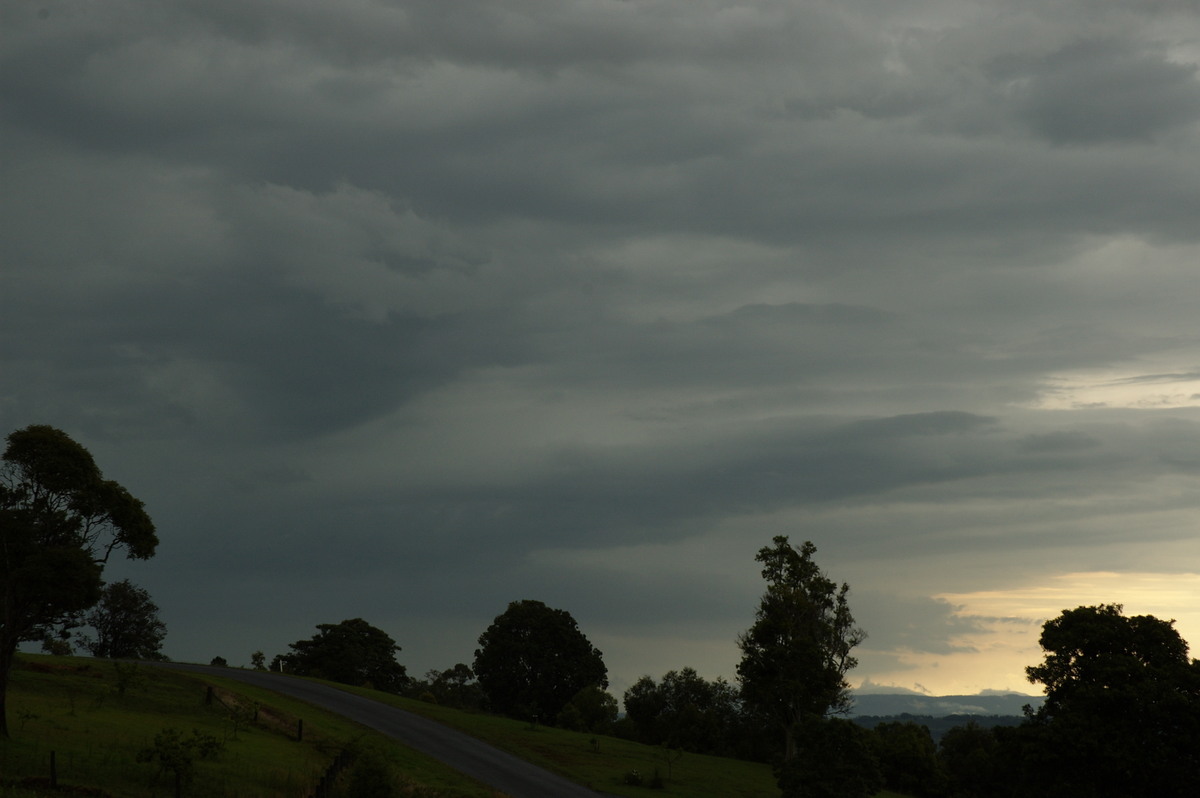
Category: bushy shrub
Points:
column 833, row 760
column 370, row 777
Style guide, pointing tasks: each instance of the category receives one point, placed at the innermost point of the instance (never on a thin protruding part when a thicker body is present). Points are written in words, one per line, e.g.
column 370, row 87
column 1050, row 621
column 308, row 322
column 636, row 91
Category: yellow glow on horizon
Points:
column 1166, row 596
column 1145, row 388
column 1010, row 620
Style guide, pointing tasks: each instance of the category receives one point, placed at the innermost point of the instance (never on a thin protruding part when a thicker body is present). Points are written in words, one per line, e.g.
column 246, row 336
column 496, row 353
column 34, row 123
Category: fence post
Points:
column 300, row 730
column 53, row 771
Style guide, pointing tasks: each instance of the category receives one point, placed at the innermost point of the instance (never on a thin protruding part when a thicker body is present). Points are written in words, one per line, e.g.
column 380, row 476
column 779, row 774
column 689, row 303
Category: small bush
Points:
column 128, row 676
column 175, row 754
column 633, row 778
column 370, row 777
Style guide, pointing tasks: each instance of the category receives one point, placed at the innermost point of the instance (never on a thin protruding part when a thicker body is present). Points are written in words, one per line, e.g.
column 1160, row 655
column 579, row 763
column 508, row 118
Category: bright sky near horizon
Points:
column 407, row 309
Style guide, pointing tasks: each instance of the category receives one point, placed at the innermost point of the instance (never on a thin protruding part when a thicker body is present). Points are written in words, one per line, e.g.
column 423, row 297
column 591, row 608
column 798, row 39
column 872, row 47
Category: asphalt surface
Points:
column 503, row 771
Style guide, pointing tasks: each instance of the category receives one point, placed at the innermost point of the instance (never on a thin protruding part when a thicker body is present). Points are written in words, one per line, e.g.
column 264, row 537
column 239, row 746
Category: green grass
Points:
column 602, row 762
column 71, row 706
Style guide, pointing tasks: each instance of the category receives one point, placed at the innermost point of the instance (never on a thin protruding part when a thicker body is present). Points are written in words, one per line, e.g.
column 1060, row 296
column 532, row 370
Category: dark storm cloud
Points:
column 392, row 300
column 617, row 148
column 1096, row 91
column 1056, row 442
column 914, row 624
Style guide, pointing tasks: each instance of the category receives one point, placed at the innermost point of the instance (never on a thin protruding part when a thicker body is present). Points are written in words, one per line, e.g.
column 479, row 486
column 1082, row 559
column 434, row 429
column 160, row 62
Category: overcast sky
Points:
column 407, row 310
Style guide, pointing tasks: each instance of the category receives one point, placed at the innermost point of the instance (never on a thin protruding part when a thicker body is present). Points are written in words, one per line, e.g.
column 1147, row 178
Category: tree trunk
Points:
column 7, row 653
column 789, row 742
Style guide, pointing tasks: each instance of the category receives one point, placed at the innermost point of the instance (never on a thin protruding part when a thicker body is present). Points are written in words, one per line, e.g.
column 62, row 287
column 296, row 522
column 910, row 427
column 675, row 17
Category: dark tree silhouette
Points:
column 533, row 659
column 835, row 760
column 796, row 655
column 685, row 711
column 60, row 521
column 126, row 623
column 1122, row 709
column 350, row 652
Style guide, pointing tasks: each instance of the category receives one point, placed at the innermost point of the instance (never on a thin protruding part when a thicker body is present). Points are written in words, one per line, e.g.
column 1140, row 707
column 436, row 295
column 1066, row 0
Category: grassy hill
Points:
column 75, row 708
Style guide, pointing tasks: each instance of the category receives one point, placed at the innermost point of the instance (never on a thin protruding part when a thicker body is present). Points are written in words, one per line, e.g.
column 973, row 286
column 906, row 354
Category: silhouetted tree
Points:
column 907, row 758
column 592, row 709
column 126, row 624
column 796, row 655
column 684, row 711
column 56, row 646
column 533, row 659
column 60, row 521
column 453, row 687
column 834, row 760
column 1122, row 709
column 350, row 652
column 971, row 760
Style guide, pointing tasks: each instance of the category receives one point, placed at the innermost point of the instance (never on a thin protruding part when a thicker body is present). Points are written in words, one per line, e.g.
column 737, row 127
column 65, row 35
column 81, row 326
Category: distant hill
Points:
column 894, row 704
column 940, row 713
column 938, row 726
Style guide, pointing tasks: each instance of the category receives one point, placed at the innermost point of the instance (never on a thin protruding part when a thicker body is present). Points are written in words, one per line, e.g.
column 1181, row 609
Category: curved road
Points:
column 503, row 771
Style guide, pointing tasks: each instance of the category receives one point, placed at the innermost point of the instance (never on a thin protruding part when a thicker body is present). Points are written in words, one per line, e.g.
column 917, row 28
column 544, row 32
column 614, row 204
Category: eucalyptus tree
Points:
column 60, row 522
column 126, row 623
column 796, row 654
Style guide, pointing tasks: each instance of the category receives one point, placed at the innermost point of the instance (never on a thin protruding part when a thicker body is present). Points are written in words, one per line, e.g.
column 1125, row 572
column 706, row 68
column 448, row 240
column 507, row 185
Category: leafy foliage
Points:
column 1122, row 709
column 685, row 711
column 126, row 623
column 970, row 760
column 907, row 758
column 796, row 654
column 370, row 777
column 1121, row 717
column 351, row 652
column 128, row 675
column 533, row 659
column 60, row 521
column 834, row 760
column 454, row 687
column 590, row 710
column 176, row 754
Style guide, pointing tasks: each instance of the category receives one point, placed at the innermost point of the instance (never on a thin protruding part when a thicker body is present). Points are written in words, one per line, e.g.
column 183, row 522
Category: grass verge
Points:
column 95, row 722
column 74, row 707
column 605, row 763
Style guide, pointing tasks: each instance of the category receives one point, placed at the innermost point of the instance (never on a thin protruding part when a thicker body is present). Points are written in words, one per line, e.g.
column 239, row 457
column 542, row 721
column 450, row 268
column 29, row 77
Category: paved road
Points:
column 503, row 771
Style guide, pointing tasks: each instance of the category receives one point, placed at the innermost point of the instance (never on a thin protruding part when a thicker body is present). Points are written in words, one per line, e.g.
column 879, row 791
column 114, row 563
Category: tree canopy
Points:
column 1122, row 709
column 835, row 761
column 126, row 623
column 351, row 652
column 60, row 522
column 685, row 711
column 796, row 654
column 533, row 659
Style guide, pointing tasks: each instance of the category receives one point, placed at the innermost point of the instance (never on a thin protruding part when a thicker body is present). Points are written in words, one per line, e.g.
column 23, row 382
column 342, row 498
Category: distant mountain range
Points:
column 937, row 706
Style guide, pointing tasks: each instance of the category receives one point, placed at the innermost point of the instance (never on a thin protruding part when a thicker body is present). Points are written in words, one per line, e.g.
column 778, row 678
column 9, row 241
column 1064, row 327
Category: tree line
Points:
column 1121, row 715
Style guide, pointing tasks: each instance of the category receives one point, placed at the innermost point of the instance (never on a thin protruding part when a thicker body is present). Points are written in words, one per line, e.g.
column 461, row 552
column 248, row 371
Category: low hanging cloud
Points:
column 393, row 306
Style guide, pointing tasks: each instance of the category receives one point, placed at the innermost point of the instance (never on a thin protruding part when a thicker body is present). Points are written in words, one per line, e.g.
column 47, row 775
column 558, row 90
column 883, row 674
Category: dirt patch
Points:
column 62, row 670
column 258, row 714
